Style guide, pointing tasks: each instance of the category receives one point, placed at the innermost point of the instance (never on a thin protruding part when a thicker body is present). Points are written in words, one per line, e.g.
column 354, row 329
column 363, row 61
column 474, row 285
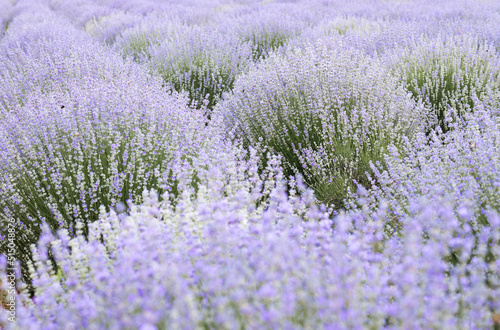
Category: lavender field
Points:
column 246, row 164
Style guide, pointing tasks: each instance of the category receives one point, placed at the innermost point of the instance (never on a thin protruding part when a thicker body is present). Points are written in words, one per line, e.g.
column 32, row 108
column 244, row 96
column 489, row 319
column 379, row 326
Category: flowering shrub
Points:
column 268, row 28
column 107, row 28
column 219, row 261
column 192, row 58
column 328, row 112
column 136, row 41
column 463, row 165
column 447, row 73
column 203, row 63
column 349, row 25
column 95, row 131
column 78, row 12
column 28, row 59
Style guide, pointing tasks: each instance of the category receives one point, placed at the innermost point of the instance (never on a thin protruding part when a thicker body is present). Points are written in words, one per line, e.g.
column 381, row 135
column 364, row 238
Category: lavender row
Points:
column 80, row 128
column 203, row 66
column 221, row 261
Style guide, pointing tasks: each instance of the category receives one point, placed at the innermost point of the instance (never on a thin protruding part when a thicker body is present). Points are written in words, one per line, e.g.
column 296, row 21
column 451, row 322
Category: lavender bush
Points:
column 463, row 165
column 328, row 112
column 447, row 73
column 202, row 62
column 79, row 12
column 107, row 28
column 218, row 261
column 94, row 131
column 268, row 28
column 41, row 59
column 135, row 42
column 5, row 8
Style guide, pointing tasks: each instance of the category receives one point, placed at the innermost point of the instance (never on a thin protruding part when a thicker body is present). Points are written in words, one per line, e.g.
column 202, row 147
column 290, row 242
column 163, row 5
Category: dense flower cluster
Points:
column 446, row 74
column 463, row 165
column 203, row 62
column 5, row 7
column 136, row 41
column 270, row 28
column 249, row 164
column 107, row 28
column 329, row 112
column 82, row 128
column 220, row 262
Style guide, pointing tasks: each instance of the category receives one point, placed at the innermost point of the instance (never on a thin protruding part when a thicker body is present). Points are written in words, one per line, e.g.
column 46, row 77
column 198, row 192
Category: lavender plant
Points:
column 460, row 170
column 203, row 63
column 349, row 25
column 93, row 131
column 217, row 261
column 446, row 73
column 374, row 37
column 5, row 8
column 40, row 59
column 107, row 28
column 462, row 164
column 329, row 112
column 268, row 28
column 147, row 7
column 136, row 41
column 79, row 12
